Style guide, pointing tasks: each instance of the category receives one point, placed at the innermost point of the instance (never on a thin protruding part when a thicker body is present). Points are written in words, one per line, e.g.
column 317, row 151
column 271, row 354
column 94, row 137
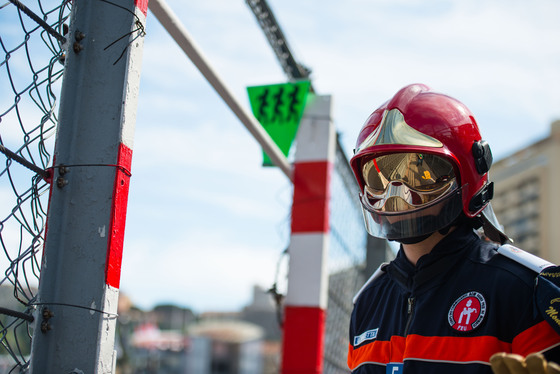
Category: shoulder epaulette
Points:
column 526, row 259
column 376, row 274
column 547, row 286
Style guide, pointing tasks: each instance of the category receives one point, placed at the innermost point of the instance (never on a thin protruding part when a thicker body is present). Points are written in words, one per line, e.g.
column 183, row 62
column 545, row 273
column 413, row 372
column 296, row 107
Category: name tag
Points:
column 368, row 335
column 394, row 369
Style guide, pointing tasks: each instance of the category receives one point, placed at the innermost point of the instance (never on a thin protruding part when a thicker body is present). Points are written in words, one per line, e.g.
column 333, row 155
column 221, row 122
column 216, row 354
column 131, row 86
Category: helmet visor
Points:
column 413, row 223
column 406, row 181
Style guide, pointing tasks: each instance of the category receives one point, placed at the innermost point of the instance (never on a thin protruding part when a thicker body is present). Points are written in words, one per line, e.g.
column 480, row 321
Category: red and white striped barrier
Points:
column 306, row 299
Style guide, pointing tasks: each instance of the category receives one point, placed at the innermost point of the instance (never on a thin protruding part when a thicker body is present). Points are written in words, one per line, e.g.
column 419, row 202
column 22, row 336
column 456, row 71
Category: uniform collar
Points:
column 432, row 268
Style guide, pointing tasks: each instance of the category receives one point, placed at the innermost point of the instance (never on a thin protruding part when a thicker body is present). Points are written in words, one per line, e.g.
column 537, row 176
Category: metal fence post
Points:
column 79, row 284
column 307, row 295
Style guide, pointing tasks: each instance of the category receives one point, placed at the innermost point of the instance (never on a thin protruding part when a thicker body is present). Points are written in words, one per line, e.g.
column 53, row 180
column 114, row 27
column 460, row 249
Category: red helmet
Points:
column 439, row 166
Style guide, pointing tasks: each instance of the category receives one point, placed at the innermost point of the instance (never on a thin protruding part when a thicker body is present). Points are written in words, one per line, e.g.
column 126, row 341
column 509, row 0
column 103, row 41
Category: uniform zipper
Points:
column 410, row 312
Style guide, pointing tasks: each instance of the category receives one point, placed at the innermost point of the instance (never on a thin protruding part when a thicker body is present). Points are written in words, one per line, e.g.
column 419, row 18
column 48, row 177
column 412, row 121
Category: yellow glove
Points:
column 535, row 363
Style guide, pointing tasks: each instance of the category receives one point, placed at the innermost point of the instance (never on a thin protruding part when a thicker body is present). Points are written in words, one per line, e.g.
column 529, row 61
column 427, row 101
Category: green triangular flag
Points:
column 278, row 108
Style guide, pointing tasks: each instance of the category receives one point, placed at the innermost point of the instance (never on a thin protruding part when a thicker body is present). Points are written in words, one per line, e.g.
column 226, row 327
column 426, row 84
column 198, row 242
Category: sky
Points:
column 205, row 220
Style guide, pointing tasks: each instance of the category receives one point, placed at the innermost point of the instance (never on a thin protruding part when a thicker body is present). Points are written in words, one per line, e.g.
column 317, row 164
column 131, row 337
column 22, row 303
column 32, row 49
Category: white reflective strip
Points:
column 526, row 259
column 308, row 279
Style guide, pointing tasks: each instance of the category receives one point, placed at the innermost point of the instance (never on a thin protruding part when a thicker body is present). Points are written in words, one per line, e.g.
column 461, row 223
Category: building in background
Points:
column 173, row 340
column 526, row 199
column 225, row 347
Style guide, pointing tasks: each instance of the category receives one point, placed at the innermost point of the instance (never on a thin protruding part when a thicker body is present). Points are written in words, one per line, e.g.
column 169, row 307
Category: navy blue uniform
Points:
column 460, row 304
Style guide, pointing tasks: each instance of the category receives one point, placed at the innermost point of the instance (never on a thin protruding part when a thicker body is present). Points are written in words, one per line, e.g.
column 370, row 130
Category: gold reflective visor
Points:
column 404, row 181
column 393, row 129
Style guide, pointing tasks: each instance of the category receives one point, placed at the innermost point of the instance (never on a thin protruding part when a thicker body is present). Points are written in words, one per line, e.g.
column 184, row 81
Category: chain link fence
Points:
column 32, row 39
column 347, row 256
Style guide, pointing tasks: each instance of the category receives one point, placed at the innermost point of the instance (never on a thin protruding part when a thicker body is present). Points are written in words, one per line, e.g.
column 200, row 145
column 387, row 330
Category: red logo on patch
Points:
column 467, row 312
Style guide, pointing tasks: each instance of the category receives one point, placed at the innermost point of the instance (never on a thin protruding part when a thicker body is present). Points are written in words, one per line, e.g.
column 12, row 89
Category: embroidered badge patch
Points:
column 467, row 312
column 547, row 296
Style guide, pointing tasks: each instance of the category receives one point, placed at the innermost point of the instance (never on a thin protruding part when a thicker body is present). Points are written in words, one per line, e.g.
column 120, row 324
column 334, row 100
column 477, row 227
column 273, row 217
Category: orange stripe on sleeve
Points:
column 454, row 349
column 537, row 338
column 377, row 351
column 433, row 348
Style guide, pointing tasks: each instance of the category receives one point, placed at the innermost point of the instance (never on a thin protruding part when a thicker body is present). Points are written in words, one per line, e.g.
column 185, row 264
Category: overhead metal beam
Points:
column 278, row 42
column 178, row 32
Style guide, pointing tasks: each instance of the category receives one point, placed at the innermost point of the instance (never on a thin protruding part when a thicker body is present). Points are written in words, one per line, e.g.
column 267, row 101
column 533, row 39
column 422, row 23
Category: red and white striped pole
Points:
column 306, row 299
column 80, row 274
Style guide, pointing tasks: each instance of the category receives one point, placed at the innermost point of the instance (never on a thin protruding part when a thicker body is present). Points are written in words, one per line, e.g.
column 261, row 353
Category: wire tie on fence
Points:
column 38, row 19
column 140, row 27
column 78, row 307
column 61, row 167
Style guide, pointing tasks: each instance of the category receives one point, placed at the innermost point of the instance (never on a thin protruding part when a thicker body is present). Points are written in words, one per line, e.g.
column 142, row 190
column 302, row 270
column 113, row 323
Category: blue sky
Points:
column 206, row 221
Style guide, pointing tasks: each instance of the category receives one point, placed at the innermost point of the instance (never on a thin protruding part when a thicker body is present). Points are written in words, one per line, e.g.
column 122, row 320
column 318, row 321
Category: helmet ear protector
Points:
column 482, row 156
column 482, row 161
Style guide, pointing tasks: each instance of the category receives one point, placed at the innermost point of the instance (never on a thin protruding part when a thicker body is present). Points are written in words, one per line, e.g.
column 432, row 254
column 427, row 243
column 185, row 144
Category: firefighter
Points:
column 457, row 292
